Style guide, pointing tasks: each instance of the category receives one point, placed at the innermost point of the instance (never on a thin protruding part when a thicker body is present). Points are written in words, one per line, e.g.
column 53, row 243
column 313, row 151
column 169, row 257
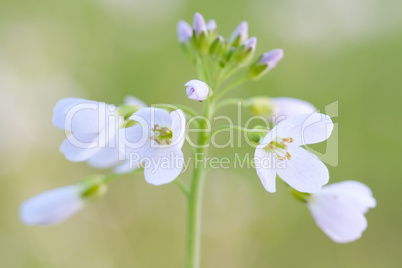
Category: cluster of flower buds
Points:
column 228, row 54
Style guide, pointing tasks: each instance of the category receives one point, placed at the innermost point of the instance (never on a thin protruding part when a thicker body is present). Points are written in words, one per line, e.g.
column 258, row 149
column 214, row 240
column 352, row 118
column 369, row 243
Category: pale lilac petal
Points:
column 265, row 170
column 340, row 221
column 211, row 25
column 51, row 207
column 199, row 24
column 305, row 128
column 184, row 31
column 77, row 148
column 197, row 90
column 131, row 100
column 178, row 128
column 287, row 107
column 149, row 117
column 163, row 167
column 242, row 31
column 63, row 107
column 351, row 193
column 272, row 58
column 304, row 171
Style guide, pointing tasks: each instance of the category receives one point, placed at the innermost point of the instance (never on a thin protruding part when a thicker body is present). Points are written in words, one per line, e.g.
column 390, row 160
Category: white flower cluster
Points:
column 105, row 136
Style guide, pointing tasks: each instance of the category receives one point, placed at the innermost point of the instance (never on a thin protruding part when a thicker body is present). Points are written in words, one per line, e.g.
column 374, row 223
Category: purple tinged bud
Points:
column 272, row 57
column 199, row 24
column 242, row 31
column 184, row 31
column 197, row 90
column 211, row 25
column 250, row 43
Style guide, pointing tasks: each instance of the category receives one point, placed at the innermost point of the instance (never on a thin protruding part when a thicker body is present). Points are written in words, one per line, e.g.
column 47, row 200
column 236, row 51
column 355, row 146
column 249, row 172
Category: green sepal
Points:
column 93, row 187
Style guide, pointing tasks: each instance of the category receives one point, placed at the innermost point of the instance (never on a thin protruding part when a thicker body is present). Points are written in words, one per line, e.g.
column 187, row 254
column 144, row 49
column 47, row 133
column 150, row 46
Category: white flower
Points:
column 94, row 130
column 158, row 145
column 241, row 33
column 339, row 208
column 184, row 31
column 279, row 152
column 199, row 24
column 53, row 206
column 287, row 107
column 197, row 90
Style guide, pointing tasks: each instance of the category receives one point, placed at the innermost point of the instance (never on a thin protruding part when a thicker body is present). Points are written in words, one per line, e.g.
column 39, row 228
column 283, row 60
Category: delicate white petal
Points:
column 77, row 148
column 149, row 117
column 305, row 128
column 51, row 207
column 131, row 100
column 287, row 107
column 304, row 172
column 178, row 128
column 352, row 193
column 126, row 167
column 105, row 158
column 340, row 221
column 265, row 170
column 84, row 116
column 163, row 167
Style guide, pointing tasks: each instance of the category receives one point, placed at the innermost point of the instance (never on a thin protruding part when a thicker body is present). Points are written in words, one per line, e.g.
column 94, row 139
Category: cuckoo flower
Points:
column 158, row 145
column 339, row 208
column 93, row 129
column 280, row 152
column 57, row 205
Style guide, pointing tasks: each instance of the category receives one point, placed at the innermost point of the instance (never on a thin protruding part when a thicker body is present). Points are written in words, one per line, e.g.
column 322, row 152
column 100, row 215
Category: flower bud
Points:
column 184, row 31
column 199, row 25
column 197, row 90
column 57, row 205
column 260, row 106
column 211, row 25
column 286, row 107
column 240, row 34
column 271, row 58
column 265, row 63
column 258, row 133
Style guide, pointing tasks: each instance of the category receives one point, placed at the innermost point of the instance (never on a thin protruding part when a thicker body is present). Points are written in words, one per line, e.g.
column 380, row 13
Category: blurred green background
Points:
column 348, row 51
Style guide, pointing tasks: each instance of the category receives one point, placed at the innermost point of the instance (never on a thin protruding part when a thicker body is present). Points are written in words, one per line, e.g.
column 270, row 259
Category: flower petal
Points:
column 265, row 171
column 163, row 167
column 131, row 100
column 51, row 207
column 77, row 148
column 149, row 117
column 178, row 128
column 352, row 193
column 305, row 128
column 304, row 172
column 287, row 107
column 341, row 222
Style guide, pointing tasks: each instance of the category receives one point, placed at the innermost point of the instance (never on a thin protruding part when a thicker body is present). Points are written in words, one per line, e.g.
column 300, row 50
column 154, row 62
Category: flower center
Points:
column 278, row 146
column 161, row 135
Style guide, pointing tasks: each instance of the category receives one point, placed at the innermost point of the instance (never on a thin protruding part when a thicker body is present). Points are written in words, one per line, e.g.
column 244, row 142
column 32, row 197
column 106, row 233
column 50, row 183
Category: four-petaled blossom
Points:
column 158, row 146
column 339, row 208
column 272, row 57
column 184, row 31
column 53, row 206
column 280, row 152
column 197, row 90
column 240, row 33
column 199, row 24
column 95, row 129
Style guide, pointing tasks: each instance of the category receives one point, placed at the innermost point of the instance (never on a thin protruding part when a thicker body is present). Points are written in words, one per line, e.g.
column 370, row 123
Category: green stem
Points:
column 230, row 87
column 193, row 247
column 183, row 187
column 227, row 102
column 235, row 127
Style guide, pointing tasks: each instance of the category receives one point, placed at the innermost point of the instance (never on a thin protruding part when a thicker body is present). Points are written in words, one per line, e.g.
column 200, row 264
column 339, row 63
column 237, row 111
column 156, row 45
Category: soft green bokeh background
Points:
column 348, row 51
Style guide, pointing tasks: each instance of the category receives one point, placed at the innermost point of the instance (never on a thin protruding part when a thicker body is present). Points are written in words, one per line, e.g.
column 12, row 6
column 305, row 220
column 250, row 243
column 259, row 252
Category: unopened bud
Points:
column 197, row 90
column 211, row 25
column 265, row 63
column 260, row 106
column 258, row 133
column 199, row 24
column 240, row 34
column 184, row 31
